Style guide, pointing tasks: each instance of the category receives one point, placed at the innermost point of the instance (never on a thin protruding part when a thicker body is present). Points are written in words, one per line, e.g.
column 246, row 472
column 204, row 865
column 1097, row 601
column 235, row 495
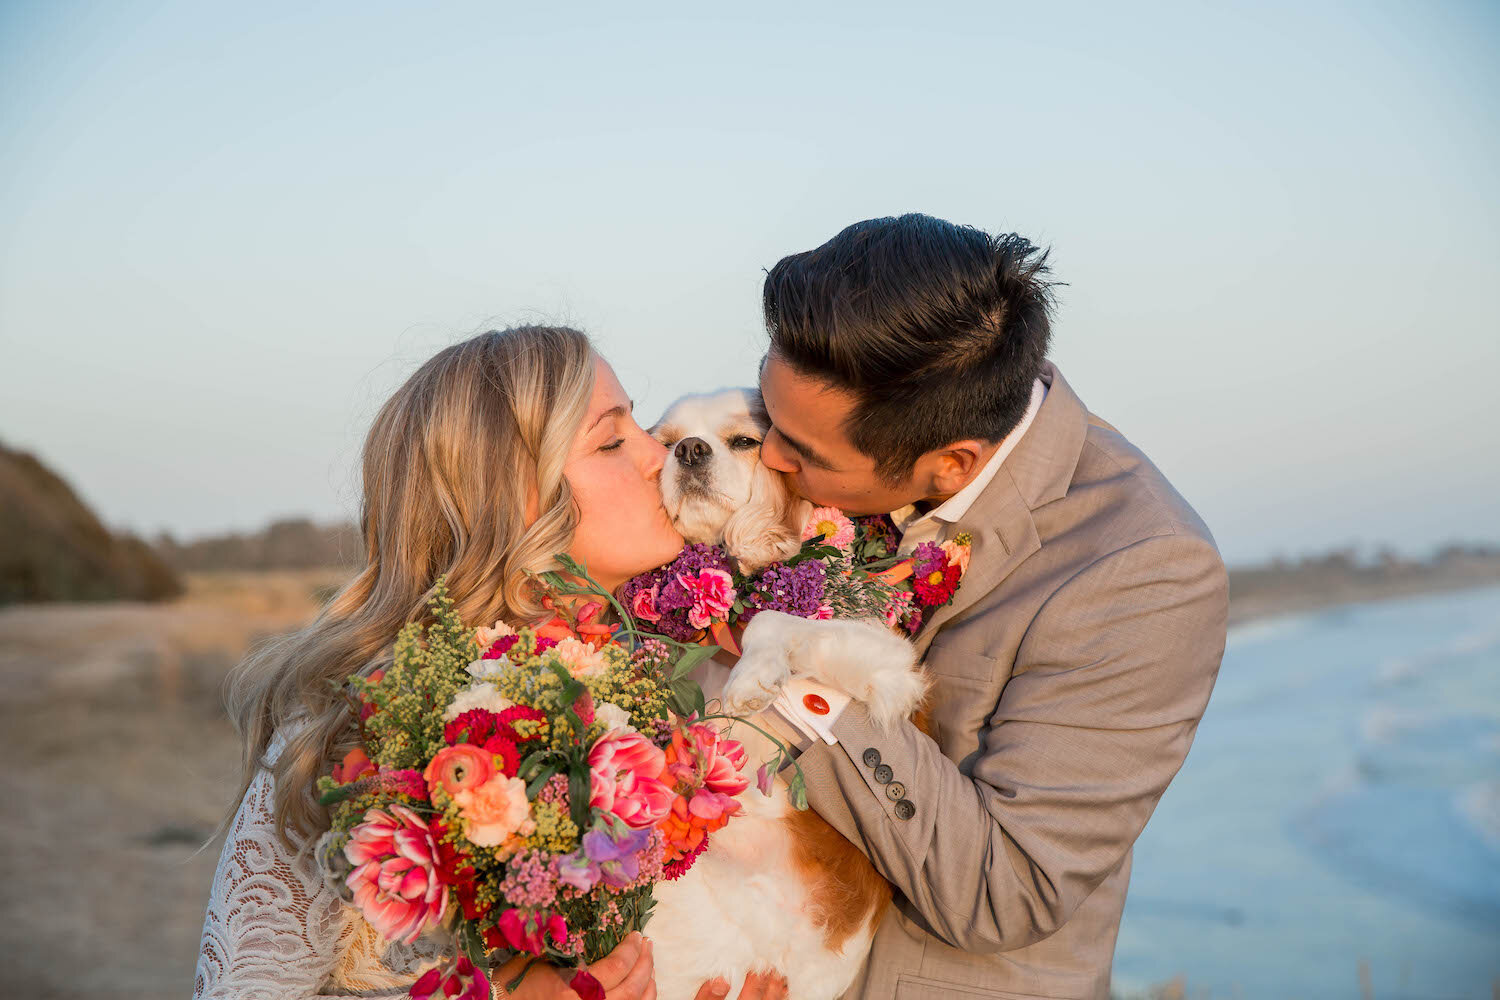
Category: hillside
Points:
column 53, row 548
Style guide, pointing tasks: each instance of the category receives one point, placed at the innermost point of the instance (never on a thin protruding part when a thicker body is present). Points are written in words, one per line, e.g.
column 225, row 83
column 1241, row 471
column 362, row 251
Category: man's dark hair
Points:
column 937, row 330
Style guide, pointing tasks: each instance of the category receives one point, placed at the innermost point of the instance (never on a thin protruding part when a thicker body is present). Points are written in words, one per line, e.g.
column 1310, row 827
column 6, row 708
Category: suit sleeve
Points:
column 1096, row 718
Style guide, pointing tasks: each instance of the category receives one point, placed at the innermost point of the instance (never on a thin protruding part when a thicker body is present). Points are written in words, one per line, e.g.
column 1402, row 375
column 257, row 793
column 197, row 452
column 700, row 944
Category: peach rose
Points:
column 581, row 659
column 494, row 810
column 958, row 555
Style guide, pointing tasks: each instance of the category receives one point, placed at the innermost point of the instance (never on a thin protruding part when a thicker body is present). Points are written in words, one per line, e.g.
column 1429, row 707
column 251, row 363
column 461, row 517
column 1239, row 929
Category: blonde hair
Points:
column 450, row 466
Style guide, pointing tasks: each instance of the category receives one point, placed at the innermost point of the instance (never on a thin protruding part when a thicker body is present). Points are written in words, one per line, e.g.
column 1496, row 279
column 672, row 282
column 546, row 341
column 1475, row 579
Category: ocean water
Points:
column 1340, row 807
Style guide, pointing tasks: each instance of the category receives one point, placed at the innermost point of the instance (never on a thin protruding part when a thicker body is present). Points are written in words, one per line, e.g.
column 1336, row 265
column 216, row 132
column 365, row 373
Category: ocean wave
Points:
column 1479, row 803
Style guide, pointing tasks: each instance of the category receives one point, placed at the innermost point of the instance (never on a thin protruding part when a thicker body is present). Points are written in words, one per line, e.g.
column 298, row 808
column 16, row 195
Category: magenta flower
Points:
column 464, row 982
column 712, row 593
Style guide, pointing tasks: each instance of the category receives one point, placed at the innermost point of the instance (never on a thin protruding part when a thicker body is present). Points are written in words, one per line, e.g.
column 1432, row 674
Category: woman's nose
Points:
column 655, row 458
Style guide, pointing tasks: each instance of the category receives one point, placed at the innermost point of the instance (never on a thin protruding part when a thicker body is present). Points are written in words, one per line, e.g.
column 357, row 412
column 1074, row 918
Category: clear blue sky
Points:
column 228, row 230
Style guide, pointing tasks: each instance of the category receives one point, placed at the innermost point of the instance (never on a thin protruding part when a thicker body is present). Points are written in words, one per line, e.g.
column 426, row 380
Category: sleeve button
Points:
column 883, row 773
column 895, row 791
column 872, row 757
column 904, row 809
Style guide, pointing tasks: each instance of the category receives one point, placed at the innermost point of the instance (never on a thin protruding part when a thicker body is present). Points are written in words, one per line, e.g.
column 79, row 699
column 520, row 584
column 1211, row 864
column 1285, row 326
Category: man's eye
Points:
column 740, row 442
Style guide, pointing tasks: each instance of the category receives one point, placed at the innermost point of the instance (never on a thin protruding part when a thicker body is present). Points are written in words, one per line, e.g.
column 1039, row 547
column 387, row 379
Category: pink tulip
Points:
column 395, row 878
column 625, row 770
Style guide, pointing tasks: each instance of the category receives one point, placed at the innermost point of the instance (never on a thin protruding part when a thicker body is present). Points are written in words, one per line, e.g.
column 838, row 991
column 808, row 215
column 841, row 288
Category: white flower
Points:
column 482, row 695
column 612, row 716
column 485, row 670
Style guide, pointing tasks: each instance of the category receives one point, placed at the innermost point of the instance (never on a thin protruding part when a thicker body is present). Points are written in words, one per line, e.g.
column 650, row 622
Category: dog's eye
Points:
column 741, row 442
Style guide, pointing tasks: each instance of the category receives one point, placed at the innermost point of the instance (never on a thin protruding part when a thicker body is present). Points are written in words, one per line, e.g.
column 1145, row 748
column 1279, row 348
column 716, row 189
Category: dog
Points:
column 777, row 888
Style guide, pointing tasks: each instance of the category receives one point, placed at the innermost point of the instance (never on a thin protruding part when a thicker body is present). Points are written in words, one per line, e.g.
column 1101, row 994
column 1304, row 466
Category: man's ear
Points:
column 956, row 464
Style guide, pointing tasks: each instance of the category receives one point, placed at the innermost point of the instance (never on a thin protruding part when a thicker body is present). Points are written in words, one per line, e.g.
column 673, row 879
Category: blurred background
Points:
column 227, row 232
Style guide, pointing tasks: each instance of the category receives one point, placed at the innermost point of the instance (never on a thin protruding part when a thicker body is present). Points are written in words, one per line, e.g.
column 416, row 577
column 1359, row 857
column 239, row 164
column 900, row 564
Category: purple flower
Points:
column 928, row 557
column 615, row 860
column 618, row 858
column 797, row 590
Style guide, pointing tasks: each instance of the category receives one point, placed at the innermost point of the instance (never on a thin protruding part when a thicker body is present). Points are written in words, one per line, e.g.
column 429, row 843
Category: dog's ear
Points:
column 768, row 528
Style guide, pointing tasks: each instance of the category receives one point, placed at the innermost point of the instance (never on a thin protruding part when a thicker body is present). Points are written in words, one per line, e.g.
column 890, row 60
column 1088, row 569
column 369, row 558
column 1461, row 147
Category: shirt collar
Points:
column 955, row 507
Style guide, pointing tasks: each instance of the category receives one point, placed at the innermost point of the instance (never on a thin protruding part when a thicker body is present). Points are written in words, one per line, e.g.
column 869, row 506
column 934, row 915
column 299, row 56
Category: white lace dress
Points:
column 276, row 930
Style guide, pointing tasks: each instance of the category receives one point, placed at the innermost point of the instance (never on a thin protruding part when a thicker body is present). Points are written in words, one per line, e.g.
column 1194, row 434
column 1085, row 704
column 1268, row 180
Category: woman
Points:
column 498, row 453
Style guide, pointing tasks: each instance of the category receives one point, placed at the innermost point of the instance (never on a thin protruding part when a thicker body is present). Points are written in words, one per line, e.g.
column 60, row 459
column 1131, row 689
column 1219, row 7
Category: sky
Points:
column 228, row 231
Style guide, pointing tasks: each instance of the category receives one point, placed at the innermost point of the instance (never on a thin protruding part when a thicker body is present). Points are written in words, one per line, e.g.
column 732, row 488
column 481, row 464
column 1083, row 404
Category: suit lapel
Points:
column 1037, row 472
column 1004, row 535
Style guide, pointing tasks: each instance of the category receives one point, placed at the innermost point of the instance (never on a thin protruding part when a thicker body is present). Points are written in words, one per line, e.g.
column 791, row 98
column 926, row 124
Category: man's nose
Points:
column 692, row 451
column 774, row 456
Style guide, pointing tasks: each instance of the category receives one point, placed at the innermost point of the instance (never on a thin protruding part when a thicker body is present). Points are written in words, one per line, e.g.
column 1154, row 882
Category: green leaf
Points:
column 578, row 796
column 542, row 777
column 686, row 696
column 336, row 795
column 690, row 660
column 532, row 759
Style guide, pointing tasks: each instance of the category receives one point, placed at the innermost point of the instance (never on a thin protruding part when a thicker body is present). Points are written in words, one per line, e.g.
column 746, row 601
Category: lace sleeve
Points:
column 275, row 930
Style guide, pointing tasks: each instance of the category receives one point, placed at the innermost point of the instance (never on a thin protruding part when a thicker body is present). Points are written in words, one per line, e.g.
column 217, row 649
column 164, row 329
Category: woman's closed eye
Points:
column 613, row 445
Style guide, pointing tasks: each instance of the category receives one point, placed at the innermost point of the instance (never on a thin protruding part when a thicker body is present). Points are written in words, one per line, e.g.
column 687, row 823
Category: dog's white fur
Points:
column 745, row 905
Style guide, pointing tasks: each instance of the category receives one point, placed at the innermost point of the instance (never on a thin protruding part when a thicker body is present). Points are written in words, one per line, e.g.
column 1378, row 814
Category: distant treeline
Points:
column 1343, row 577
column 294, row 543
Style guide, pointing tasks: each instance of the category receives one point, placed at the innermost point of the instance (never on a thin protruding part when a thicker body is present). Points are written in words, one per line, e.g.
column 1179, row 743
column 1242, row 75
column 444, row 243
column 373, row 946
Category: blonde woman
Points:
column 498, row 453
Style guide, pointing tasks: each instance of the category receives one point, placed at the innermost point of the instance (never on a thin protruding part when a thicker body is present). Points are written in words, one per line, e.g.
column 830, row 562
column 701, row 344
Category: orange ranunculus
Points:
column 459, row 768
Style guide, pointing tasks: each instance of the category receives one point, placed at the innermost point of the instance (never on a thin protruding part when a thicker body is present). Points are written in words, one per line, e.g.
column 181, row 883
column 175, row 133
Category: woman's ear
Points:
column 768, row 528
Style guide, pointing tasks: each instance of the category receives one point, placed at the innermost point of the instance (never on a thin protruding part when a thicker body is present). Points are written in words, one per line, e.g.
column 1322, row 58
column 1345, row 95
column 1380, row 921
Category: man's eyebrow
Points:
column 802, row 449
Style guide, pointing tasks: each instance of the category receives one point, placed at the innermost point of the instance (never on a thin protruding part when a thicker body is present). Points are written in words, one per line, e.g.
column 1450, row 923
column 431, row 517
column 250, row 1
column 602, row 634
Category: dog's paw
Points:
column 894, row 694
column 755, row 681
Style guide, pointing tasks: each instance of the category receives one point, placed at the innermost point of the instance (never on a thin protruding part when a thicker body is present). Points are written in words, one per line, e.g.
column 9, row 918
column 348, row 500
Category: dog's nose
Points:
column 692, row 451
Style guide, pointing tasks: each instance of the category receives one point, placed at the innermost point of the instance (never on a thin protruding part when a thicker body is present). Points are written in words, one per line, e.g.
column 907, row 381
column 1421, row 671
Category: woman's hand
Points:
column 625, row 973
column 758, row 986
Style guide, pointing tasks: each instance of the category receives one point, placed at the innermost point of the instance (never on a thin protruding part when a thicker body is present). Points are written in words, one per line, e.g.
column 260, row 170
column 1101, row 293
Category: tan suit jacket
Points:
column 1069, row 673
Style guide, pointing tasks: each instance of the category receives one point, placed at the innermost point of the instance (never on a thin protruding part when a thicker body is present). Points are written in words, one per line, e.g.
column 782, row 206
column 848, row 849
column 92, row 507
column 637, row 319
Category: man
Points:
column 907, row 373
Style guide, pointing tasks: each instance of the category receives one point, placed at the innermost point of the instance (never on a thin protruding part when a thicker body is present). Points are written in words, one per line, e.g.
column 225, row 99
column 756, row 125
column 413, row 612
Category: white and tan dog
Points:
column 777, row 888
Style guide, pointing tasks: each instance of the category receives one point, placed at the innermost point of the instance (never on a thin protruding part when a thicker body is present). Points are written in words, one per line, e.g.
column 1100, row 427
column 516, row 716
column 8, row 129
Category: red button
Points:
column 815, row 704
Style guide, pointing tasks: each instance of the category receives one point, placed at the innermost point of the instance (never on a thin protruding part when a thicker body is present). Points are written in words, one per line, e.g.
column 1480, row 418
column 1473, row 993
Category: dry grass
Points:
column 119, row 763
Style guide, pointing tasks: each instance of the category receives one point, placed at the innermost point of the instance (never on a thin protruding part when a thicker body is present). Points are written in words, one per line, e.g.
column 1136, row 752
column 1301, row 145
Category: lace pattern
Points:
column 276, row 930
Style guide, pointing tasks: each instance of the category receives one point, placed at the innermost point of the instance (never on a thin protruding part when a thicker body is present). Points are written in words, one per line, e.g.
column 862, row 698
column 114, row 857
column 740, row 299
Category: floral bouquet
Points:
column 846, row 568
column 524, row 788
